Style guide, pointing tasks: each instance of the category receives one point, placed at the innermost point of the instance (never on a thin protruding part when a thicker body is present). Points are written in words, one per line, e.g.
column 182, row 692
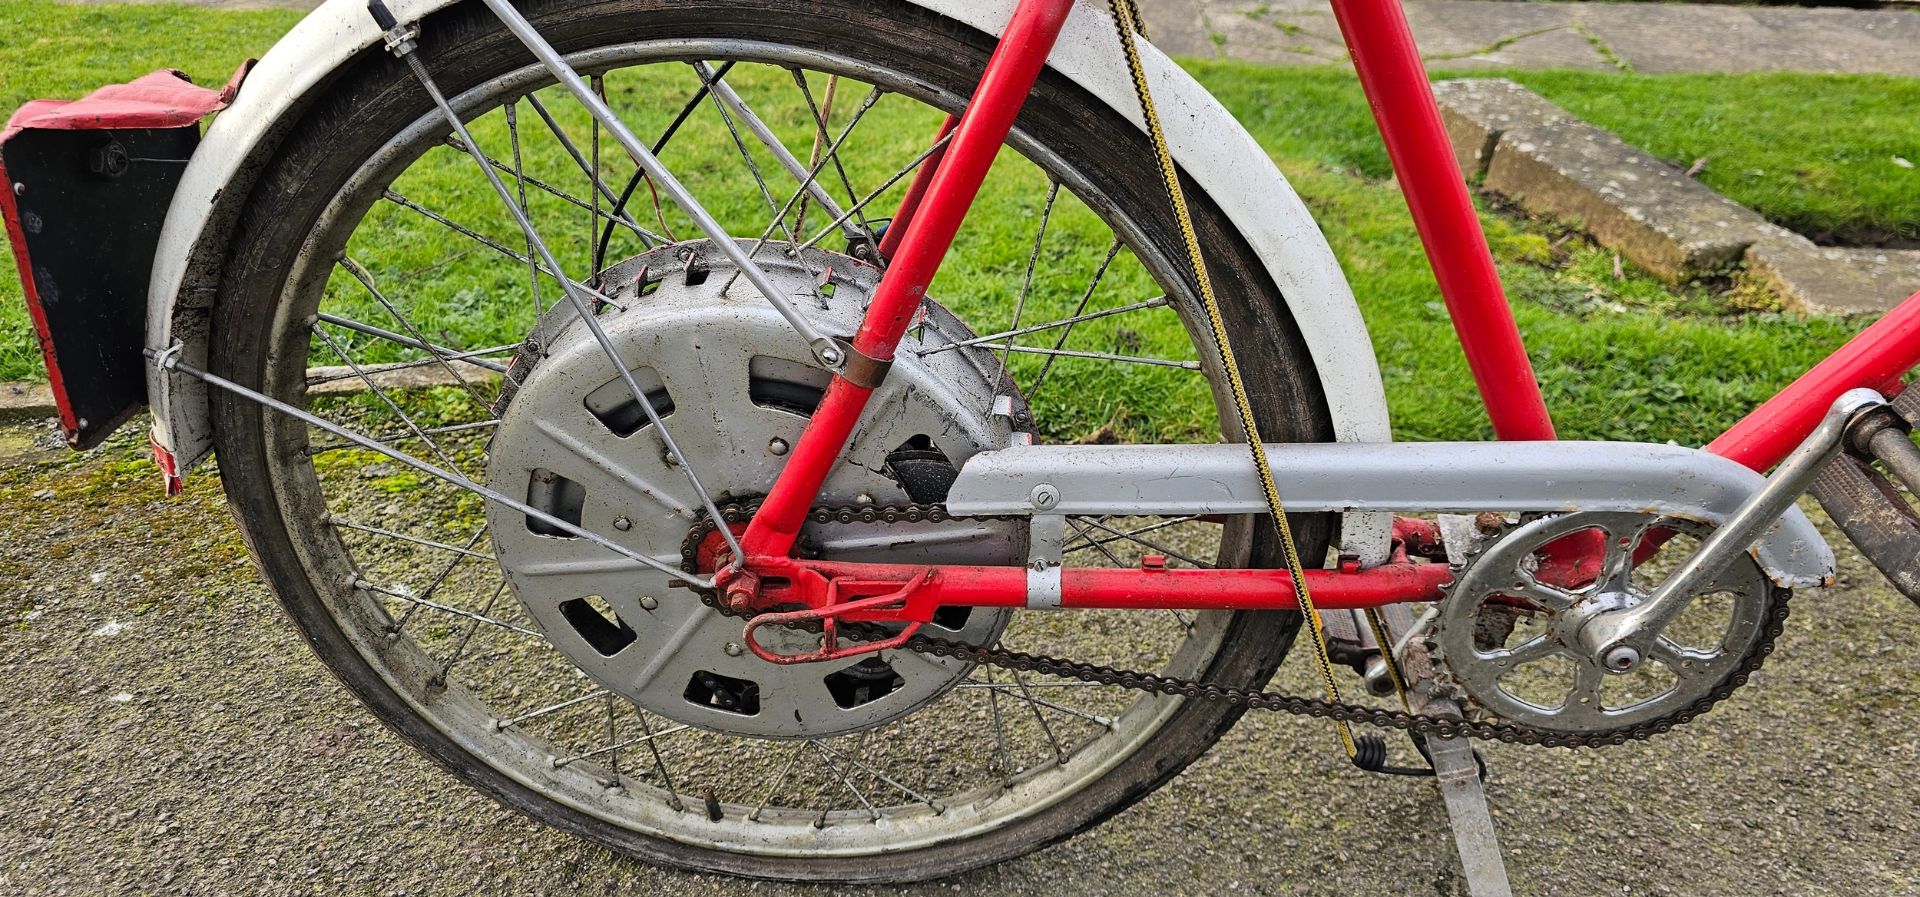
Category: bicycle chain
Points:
column 1154, row 683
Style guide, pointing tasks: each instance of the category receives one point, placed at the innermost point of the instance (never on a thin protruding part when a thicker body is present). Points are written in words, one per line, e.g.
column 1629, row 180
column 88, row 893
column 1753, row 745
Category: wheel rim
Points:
column 546, row 740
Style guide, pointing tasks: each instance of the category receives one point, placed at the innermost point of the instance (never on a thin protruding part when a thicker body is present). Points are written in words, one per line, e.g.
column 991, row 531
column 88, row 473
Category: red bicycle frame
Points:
column 1394, row 79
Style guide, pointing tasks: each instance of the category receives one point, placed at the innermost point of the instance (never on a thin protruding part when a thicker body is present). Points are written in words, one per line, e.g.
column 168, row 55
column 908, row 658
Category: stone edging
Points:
column 1525, row 148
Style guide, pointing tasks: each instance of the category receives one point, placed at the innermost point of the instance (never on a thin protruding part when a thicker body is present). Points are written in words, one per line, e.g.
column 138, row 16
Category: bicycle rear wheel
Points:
column 374, row 246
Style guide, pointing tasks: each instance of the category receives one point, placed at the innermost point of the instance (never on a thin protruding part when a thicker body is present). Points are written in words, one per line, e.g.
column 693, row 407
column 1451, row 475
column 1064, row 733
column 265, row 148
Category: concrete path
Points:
column 1642, row 37
column 1466, row 34
column 168, row 733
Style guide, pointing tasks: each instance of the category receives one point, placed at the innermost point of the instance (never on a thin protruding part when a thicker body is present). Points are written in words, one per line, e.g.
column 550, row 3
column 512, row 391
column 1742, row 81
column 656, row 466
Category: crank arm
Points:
column 1615, row 637
column 1401, row 477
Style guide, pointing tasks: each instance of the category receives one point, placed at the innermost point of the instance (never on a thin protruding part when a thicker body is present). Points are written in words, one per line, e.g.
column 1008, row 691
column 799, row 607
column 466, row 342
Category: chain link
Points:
column 1318, row 708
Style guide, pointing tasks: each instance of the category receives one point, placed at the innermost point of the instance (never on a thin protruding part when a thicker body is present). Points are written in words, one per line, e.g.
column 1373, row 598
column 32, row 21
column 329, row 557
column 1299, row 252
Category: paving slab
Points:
column 1479, row 111
column 20, row 401
column 1834, row 281
column 1669, row 223
column 1644, row 37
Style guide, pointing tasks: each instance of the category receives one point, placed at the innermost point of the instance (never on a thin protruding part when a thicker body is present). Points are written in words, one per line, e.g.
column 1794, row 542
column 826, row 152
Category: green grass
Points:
column 1813, row 153
column 1620, row 357
column 62, row 51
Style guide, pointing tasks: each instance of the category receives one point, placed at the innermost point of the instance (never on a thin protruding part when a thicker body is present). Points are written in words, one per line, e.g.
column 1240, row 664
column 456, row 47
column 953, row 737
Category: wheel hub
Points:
column 734, row 385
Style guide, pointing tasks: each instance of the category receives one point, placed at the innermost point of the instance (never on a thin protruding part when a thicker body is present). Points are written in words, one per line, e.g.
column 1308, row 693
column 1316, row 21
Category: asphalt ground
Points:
column 166, row 732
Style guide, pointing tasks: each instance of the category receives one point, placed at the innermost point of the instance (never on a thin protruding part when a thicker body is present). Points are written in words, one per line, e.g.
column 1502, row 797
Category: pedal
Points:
column 1874, row 512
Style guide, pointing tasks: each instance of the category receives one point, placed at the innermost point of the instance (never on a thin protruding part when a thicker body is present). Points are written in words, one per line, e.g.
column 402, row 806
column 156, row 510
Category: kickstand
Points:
column 1457, row 770
column 1457, row 773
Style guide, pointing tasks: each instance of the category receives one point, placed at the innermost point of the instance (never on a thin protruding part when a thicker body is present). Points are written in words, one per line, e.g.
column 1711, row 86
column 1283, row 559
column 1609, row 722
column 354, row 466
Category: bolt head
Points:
column 1045, row 497
column 778, row 446
column 622, row 523
column 19, row 189
column 830, row 355
column 1620, row 659
column 734, row 649
column 648, row 602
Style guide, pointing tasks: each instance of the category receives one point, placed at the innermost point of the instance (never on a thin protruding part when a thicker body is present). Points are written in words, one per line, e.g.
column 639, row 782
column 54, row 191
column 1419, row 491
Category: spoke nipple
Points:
column 734, row 649
column 648, row 602
column 670, row 459
column 777, row 446
column 622, row 523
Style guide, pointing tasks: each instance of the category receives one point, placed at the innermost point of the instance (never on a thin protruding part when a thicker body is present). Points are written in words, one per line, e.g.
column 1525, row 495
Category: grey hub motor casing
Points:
column 734, row 385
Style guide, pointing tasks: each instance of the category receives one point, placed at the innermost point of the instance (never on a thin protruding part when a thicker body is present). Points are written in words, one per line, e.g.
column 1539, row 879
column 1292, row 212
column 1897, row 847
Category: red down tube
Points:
column 1395, row 80
column 1009, row 76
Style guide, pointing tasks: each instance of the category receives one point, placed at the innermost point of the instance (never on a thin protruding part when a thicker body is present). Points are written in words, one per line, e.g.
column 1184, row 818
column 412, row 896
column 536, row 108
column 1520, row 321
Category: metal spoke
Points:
column 494, row 245
column 822, row 345
column 1059, row 753
column 726, row 98
column 460, row 649
column 827, row 761
column 786, row 773
column 1131, row 537
column 1095, row 718
column 644, row 739
column 334, row 374
column 820, row 137
column 613, row 746
column 511, row 111
column 592, row 170
column 999, row 726
column 405, row 418
column 897, row 177
column 368, row 585
column 500, row 724
column 883, row 777
column 639, row 174
column 660, row 763
column 1113, row 250
column 597, row 214
column 759, row 180
column 1082, row 531
column 1103, row 356
column 366, row 280
column 1157, row 302
column 1026, row 282
column 396, row 437
column 343, row 523
column 438, row 580
column 448, row 352
column 170, row 361
column 814, row 175
column 1093, row 542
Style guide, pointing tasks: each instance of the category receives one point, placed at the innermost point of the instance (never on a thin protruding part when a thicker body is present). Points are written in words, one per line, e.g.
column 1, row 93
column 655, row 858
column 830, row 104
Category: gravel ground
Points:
column 172, row 735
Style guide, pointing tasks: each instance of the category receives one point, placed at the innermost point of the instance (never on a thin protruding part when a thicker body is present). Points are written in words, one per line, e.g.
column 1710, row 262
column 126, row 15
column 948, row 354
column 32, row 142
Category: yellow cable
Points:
column 1127, row 20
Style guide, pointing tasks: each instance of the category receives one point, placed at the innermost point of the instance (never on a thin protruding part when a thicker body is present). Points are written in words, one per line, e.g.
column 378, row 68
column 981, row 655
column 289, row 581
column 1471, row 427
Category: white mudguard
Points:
column 1208, row 143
